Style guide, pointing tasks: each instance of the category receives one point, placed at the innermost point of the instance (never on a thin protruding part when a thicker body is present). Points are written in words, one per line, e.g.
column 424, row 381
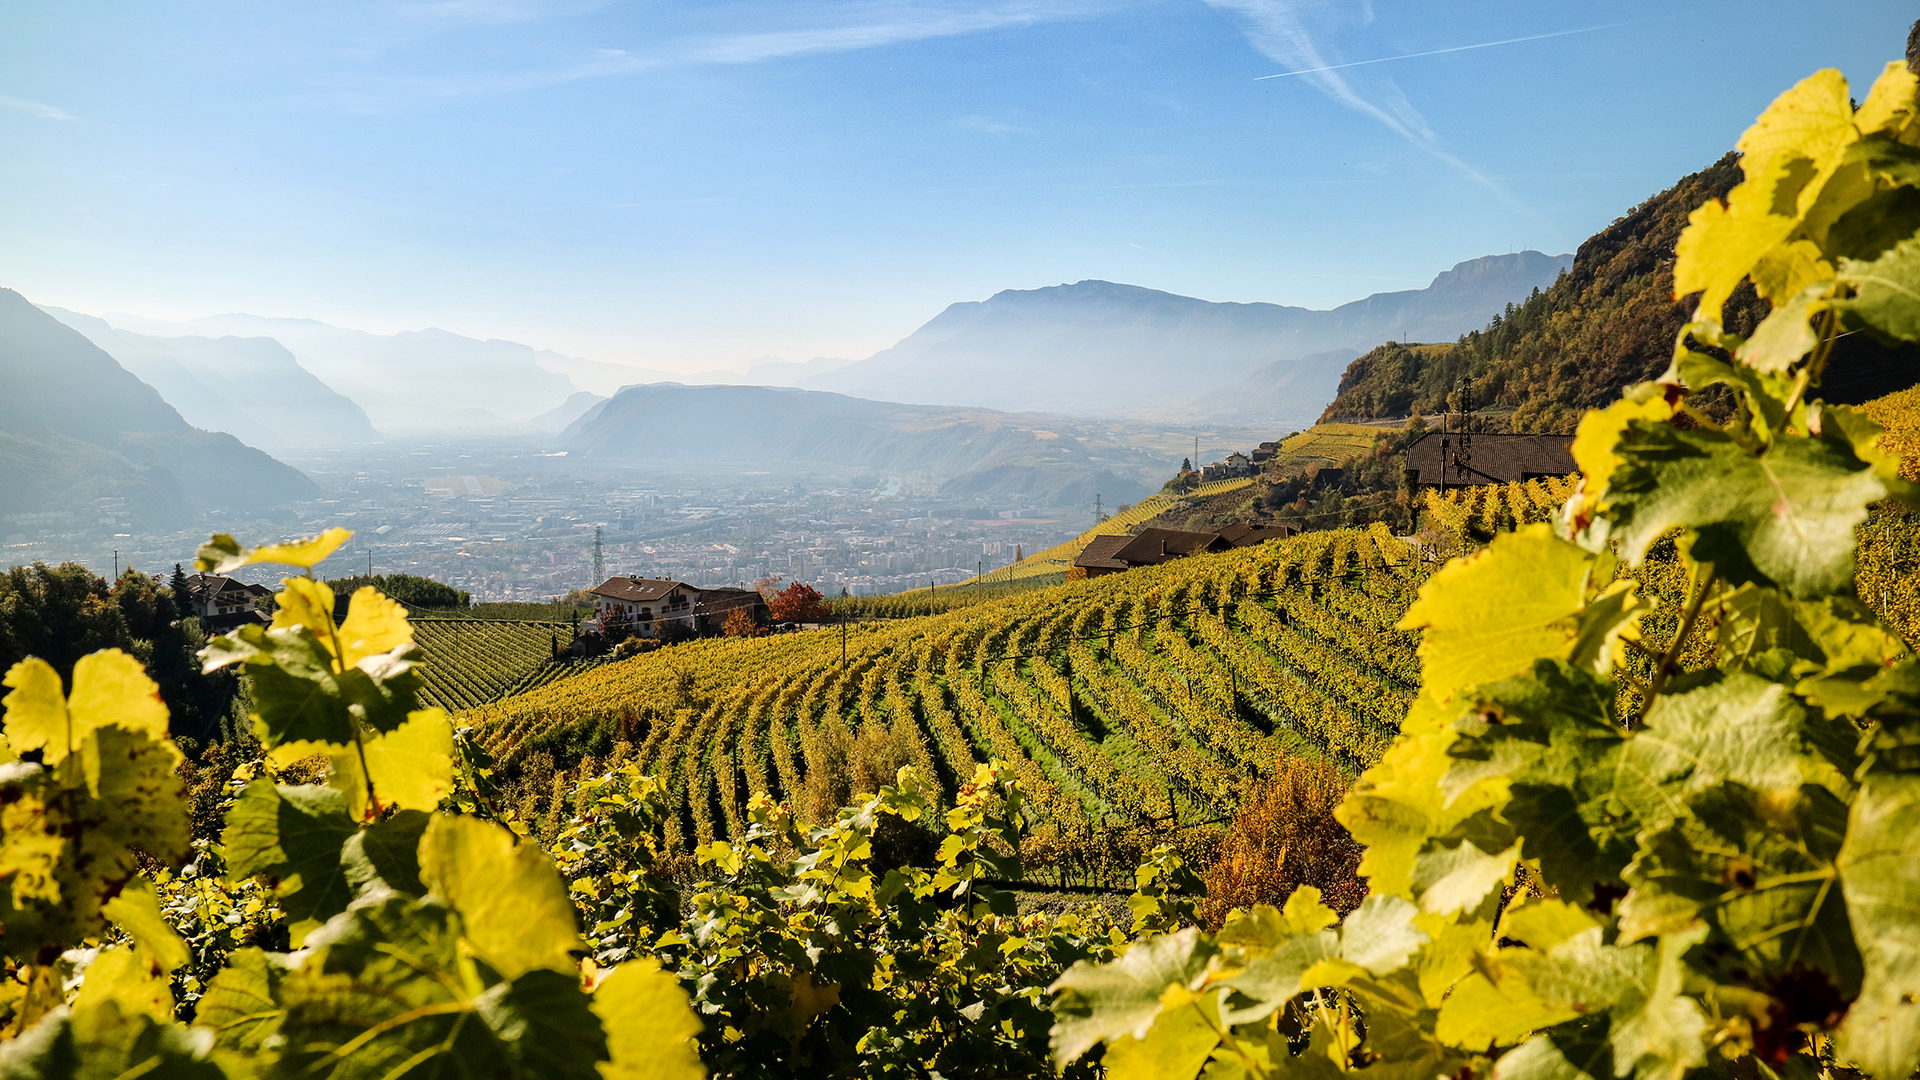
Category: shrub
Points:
column 1283, row 837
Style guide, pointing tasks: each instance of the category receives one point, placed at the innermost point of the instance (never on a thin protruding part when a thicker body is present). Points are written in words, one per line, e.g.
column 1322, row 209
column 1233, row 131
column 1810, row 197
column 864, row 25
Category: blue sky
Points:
column 689, row 186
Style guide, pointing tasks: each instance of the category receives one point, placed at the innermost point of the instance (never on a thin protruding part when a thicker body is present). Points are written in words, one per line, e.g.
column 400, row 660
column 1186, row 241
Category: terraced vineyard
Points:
column 473, row 661
column 1119, row 700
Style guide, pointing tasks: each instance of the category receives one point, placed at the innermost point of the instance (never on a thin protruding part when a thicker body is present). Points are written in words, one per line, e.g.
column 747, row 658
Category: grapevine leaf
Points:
column 292, row 836
column 387, row 852
column 1890, row 106
column 1380, row 934
column 1178, row 1044
column 241, row 1003
column 1453, row 878
column 1482, row 1012
column 1267, row 983
column 304, row 603
column 374, row 625
column 1600, row 431
column 1544, row 923
column 1398, row 804
column 383, row 993
column 1759, row 870
column 109, row 687
column 1572, row 1051
column 137, row 911
column 1096, row 1002
column 1812, row 120
column 1658, row 1031
column 1723, row 241
column 1786, row 269
column 517, row 913
column 107, row 1041
column 131, row 978
column 1886, row 290
column 1766, row 393
column 223, row 554
column 1786, row 335
column 1784, row 517
column 412, row 766
column 650, row 1028
column 1856, row 429
column 1881, row 880
column 1493, row 613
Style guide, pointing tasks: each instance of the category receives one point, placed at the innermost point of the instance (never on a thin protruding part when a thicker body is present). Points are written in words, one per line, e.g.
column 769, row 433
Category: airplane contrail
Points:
column 1458, row 48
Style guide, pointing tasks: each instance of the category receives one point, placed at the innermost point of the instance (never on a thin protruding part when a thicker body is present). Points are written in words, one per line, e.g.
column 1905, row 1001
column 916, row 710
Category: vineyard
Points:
column 1058, row 558
column 474, row 661
column 1137, row 699
column 1465, row 516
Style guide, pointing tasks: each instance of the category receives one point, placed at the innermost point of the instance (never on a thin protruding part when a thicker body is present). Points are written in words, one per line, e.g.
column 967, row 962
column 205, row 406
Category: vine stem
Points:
column 1829, row 322
column 1664, row 669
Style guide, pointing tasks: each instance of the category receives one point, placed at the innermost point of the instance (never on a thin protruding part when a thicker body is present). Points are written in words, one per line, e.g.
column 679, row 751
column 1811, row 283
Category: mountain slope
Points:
column 252, row 387
column 1609, row 323
column 76, row 428
column 415, row 382
column 1046, row 461
column 1098, row 348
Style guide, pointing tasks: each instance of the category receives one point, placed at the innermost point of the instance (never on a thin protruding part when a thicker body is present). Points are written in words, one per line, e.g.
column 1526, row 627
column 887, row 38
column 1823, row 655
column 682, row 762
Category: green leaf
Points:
column 1572, row 1051
column 1786, row 335
column 1176, row 1047
column 241, row 1004
column 387, row 853
column 1658, row 1031
column 1886, row 290
column 650, row 1026
column 1380, row 934
column 130, row 978
column 385, row 992
column 1759, row 869
column 1492, row 614
column 1783, row 518
column 1450, row 878
column 104, row 1041
column 1096, row 1002
column 137, row 911
column 1881, row 880
column 516, row 908
column 293, row 837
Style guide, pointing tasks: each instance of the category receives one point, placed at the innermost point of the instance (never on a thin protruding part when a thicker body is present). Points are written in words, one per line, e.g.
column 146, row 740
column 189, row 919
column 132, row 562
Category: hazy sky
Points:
column 697, row 185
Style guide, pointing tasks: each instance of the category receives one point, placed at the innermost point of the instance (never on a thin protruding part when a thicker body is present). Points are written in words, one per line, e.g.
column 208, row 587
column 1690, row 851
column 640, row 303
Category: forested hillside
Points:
column 1606, row 324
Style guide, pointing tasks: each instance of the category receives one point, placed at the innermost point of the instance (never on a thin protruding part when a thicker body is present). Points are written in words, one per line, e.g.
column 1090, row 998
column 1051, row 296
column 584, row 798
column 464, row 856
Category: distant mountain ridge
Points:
column 427, row 381
column 80, row 435
column 251, row 388
column 1043, row 461
column 1099, row 348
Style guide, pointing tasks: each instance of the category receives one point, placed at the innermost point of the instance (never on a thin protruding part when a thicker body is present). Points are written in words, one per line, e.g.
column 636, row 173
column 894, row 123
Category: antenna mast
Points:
column 1463, row 452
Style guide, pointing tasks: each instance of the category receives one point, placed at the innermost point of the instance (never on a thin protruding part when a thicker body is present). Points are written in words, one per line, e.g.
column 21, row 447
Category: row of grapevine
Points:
column 474, row 661
column 1120, row 699
column 1481, row 510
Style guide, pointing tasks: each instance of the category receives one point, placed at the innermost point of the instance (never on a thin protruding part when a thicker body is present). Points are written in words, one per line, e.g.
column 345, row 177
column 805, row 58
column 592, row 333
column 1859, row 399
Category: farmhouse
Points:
column 221, row 603
column 644, row 605
column 1437, row 460
column 1097, row 557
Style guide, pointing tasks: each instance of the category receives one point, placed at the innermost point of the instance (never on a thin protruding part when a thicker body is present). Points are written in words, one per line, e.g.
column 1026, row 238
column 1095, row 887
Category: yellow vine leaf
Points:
column 412, row 765
column 1723, row 241
column 374, row 625
column 131, row 979
column 650, row 1025
column 510, row 898
column 305, row 603
column 1600, row 430
column 1890, row 105
column 137, row 911
column 222, row 554
column 109, row 688
column 1492, row 614
column 1813, row 120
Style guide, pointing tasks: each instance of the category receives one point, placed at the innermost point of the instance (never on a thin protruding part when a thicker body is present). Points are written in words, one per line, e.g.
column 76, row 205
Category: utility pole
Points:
column 116, row 564
column 1099, row 515
column 599, row 558
column 369, row 562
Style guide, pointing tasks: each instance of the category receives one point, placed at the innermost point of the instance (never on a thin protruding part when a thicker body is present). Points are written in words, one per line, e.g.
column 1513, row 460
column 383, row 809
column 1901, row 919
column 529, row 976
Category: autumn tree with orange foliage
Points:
column 797, row 603
column 1283, row 837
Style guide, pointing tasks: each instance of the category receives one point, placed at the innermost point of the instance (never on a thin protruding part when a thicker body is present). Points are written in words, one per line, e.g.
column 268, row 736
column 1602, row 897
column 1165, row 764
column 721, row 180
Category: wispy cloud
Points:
column 34, row 108
column 835, row 29
column 1278, row 29
column 990, row 126
column 1455, row 49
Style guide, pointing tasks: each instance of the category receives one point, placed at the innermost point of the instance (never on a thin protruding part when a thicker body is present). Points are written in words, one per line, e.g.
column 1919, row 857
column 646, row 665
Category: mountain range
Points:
column 1038, row 460
column 1096, row 348
column 81, row 436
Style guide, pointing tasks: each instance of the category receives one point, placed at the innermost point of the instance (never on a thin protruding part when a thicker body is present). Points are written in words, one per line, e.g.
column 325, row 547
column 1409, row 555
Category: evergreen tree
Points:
column 182, row 600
